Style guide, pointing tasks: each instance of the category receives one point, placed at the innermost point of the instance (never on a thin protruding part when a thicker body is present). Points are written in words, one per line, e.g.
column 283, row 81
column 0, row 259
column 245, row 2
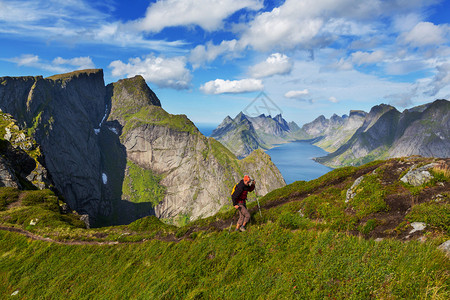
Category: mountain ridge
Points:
column 104, row 142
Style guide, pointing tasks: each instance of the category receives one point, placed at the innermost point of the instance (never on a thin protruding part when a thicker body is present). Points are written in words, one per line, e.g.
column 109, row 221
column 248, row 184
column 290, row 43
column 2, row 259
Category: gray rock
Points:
column 417, row 226
column 351, row 192
column 418, row 176
column 7, row 176
column 445, row 247
column 85, row 219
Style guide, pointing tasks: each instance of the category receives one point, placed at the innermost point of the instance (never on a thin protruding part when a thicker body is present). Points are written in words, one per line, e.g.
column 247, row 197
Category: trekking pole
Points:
column 258, row 203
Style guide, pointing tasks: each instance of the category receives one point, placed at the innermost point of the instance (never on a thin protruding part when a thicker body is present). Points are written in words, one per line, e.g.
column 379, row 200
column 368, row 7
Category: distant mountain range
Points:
column 352, row 139
column 243, row 134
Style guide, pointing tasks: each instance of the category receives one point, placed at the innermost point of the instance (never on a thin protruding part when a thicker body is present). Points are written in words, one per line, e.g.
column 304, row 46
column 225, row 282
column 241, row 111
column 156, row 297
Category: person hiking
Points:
column 239, row 198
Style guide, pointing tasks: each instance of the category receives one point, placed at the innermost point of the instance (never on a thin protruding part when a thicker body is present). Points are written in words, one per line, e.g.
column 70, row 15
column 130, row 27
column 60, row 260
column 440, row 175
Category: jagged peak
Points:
column 137, row 92
column 381, row 108
column 240, row 117
column 359, row 113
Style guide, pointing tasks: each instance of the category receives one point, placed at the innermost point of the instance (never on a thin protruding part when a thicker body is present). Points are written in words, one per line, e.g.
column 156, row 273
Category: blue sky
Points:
column 209, row 58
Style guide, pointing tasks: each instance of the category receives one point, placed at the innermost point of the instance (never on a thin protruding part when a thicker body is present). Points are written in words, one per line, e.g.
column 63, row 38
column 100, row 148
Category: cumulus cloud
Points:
column 202, row 54
column 362, row 58
column 441, row 80
column 208, row 14
column 333, row 99
column 220, row 86
column 78, row 62
column 297, row 94
column 340, row 65
column 58, row 64
column 402, row 99
column 425, row 34
column 164, row 72
column 275, row 64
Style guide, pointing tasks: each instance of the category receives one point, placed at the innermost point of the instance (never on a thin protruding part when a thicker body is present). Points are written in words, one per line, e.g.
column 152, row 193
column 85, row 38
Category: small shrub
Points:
column 368, row 227
column 292, row 221
column 8, row 195
column 150, row 223
column 370, row 197
column 433, row 214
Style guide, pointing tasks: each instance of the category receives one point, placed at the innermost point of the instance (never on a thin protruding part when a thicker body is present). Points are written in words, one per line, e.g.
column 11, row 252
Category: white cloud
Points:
column 275, row 64
column 164, row 72
column 209, row 52
column 405, row 66
column 208, row 14
column 362, row 58
column 340, row 65
column 297, row 94
column 79, row 62
column 425, row 34
column 220, row 86
column 441, row 80
column 333, row 99
column 284, row 27
column 72, row 22
column 59, row 64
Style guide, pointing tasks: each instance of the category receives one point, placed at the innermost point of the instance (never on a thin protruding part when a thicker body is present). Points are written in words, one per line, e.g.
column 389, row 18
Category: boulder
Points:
column 418, row 176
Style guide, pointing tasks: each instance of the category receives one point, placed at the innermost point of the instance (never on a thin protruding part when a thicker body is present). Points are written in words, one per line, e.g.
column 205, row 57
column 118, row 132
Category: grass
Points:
column 142, row 185
column 301, row 249
column 434, row 214
column 271, row 262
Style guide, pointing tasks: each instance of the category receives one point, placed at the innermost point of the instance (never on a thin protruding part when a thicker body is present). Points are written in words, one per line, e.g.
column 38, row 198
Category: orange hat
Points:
column 246, row 178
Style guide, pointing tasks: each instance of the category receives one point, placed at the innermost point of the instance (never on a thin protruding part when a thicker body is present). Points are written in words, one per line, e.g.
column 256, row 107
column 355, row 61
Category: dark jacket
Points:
column 240, row 192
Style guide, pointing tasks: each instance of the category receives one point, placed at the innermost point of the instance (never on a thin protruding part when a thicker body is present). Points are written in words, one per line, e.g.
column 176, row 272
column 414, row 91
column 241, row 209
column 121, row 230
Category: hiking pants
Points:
column 244, row 215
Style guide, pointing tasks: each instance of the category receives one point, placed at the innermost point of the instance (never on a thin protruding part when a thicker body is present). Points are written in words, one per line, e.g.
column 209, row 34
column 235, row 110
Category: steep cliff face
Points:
column 197, row 173
column 243, row 134
column 115, row 154
column 387, row 133
column 330, row 134
column 61, row 113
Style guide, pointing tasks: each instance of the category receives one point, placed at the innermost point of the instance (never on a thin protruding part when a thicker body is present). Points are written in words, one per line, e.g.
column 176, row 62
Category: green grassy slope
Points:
column 308, row 244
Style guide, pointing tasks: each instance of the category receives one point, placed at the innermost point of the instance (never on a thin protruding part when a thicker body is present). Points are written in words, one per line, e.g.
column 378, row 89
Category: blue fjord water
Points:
column 294, row 160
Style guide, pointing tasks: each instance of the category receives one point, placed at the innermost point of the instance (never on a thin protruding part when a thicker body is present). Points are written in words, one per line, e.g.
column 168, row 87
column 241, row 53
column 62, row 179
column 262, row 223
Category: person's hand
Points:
column 236, row 206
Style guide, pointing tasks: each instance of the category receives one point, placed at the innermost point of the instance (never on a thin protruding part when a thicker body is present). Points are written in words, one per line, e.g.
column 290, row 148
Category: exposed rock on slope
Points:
column 388, row 133
column 115, row 154
column 243, row 134
column 197, row 172
column 61, row 112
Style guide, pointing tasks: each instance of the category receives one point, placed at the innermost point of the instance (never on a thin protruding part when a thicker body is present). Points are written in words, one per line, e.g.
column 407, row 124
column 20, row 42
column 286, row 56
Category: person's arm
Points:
column 252, row 187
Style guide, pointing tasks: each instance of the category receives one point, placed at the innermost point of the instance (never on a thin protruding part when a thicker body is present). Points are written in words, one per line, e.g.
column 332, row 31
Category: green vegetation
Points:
column 142, row 185
column 433, row 214
column 369, row 197
column 270, row 262
column 67, row 76
column 155, row 115
column 308, row 244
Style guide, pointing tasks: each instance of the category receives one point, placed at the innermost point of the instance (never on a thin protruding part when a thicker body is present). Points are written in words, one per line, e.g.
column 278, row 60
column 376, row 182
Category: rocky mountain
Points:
column 385, row 132
column 113, row 153
column 243, row 134
column 330, row 134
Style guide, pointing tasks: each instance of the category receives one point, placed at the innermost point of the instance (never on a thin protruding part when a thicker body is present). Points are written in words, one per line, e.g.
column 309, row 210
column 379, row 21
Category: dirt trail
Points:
column 30, row 235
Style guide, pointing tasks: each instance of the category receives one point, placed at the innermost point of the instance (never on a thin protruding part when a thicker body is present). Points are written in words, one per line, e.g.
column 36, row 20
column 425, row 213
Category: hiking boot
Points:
column 242, row 228
column 236, row 229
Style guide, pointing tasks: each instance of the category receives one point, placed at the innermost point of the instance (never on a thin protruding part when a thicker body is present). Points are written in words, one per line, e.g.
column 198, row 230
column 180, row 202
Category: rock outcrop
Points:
column 243, row 134
column 386, row 132
column 114, row 154
column 197, row 172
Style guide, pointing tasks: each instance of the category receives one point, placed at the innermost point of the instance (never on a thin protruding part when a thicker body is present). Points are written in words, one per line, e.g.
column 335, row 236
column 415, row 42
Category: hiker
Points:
column 239, row 198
